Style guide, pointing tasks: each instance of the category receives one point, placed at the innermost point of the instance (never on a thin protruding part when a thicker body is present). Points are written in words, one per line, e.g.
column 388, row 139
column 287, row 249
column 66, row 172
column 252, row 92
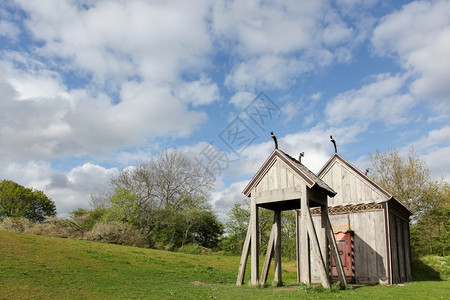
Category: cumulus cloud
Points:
column 116, row 40
column 74, row 122
column 419, row 36
column 199, row 92
column 278, row 41
column 380, row 100
column 69, row 190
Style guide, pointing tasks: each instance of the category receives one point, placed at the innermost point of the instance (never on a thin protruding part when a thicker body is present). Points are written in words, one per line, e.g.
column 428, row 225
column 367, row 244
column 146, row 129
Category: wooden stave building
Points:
column 374, row 223
column 283, row 183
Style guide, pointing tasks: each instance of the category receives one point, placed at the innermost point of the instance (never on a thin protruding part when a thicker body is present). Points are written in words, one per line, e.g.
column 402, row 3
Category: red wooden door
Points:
column 344, row 244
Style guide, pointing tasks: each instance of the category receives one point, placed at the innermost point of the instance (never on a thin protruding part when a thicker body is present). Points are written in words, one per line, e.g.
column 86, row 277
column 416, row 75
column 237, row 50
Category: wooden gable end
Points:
column 350, row 184
column 279, row 181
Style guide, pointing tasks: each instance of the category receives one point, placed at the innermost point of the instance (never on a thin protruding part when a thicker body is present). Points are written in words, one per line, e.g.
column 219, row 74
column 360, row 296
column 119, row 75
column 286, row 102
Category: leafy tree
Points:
column 237, row 225
column 87, row 218
column 167, row 198
column 431, row 234
column 17, row 201
column 410, row 182
column 407, row 179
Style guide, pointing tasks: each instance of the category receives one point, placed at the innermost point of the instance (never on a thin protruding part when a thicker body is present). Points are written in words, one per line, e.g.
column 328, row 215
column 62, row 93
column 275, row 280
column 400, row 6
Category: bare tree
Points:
column 167, row 179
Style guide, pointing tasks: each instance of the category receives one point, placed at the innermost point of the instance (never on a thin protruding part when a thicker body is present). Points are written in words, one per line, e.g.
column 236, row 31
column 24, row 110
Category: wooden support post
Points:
column 297, row 243
column 255, row 242
column 323, row 237
column 317, row 252
column 305, row 272
column 244, row 256
column 277, row 248
column 335, row 252
column 266, row 267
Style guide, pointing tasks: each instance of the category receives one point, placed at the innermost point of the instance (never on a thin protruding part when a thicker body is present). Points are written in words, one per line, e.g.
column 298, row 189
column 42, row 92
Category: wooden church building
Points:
column 370, row 226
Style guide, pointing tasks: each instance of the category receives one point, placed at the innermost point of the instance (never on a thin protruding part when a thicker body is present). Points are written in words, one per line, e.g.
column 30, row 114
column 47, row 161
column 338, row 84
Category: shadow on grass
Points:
column 423, row 272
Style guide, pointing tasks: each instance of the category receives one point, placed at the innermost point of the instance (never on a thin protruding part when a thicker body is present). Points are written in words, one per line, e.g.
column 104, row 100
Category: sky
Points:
column 89, row 88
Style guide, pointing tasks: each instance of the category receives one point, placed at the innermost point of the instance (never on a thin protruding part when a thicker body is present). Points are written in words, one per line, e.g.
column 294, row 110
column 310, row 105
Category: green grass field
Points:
column 37, row 267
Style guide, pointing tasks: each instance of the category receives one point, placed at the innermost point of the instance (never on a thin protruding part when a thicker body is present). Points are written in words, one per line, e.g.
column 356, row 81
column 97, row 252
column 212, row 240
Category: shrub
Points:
column 194, row 249
column 53, row 227
column 16, row 224
column 116, row 233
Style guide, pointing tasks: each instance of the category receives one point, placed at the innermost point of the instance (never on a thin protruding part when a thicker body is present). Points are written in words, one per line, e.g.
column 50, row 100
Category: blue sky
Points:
column 88, row 88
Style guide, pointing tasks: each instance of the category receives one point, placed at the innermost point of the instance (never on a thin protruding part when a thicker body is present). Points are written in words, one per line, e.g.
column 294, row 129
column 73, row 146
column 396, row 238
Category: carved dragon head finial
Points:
column 275, row 139
column 334, row 143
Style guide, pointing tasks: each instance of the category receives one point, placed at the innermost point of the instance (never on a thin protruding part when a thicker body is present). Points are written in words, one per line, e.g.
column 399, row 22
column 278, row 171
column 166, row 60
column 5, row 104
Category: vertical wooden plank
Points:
column 370, row 228
column 401, row 250
column 380, row 247
column 353, row 197
column 407, row 246
column 394, row 248
column 360, row 237
column 244, row 256
column 255, row 242
column 337, row 184
column 323, row 240
column 360, row 195
column 283, row 177
column 345, row 186
column 290, row 179
column 277, row 248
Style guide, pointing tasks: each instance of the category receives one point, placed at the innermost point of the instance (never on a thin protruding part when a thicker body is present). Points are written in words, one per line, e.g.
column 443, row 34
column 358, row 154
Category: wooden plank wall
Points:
column 350, row 188
column 400, row 249
column 371, row 265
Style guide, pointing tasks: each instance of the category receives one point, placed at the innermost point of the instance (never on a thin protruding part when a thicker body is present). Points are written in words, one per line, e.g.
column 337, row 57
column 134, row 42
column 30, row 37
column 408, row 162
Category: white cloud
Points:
column 116, row 40
column 419, row 35
column 380, row 100
column 74, row 122
column 69, row 190
column 242, row 99
column 278, row 41
column 199, row 92
column 225, row 199
column 8, row 29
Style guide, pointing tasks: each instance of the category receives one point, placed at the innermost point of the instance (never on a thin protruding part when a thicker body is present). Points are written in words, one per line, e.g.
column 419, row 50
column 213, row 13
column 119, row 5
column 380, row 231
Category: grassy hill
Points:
column 37, row 267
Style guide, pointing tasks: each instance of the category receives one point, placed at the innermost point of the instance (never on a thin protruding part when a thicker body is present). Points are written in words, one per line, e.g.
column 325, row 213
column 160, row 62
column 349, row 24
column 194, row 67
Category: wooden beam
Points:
column 335, row 252
column 254, row 277
column 277, row 248
column 269, row 254
column 297, row 245
column 244, row 256
column 305, row 272
column 323, row 273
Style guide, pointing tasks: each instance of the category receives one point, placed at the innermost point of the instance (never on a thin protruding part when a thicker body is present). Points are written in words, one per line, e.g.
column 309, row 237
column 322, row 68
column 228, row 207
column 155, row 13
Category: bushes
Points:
column 112, row 232
column 116, row 233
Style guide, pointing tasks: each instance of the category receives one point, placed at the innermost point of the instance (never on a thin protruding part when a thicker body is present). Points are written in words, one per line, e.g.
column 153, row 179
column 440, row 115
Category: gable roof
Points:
column 362, row 176
column 306, row 175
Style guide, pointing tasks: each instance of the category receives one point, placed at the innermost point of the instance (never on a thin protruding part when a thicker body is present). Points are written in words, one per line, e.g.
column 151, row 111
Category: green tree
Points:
column 167, row 198
column 237, row 225
column 17, row 201
column 408, row 180
column 87, row 218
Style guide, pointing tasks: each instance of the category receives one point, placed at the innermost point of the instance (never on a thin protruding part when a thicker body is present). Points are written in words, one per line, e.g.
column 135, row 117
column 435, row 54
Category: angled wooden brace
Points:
column 244, row 257
column 316, row 250
column 335, row 252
